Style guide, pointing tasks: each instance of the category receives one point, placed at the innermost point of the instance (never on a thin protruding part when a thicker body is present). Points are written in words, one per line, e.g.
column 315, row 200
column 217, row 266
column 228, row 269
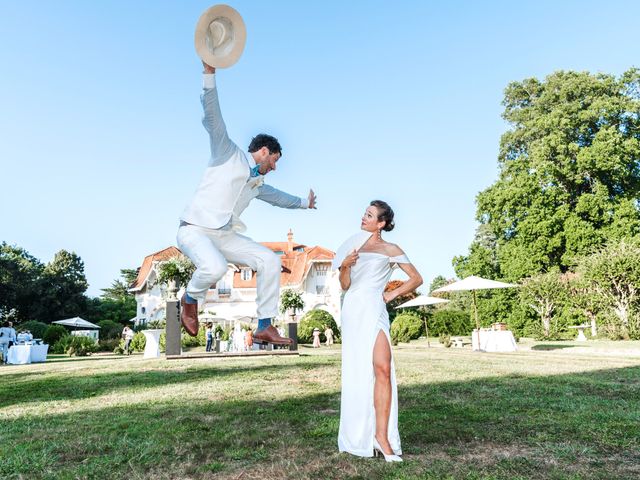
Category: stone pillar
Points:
column 292, row 329
column 173, row 340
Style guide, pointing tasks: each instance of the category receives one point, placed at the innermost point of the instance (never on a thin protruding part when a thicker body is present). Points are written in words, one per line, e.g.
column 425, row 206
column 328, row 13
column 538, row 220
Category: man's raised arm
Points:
column 221, row 146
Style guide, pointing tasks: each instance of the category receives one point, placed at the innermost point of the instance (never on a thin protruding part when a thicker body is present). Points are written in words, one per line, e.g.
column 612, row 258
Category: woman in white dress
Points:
column 369, row 403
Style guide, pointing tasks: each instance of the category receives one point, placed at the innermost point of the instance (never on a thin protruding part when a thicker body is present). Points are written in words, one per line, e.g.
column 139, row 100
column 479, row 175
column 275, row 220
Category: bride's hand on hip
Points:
column 387, row 297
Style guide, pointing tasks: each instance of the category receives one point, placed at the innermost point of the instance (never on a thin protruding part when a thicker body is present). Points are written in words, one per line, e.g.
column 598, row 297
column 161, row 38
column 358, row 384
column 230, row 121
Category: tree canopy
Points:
column 569, row 175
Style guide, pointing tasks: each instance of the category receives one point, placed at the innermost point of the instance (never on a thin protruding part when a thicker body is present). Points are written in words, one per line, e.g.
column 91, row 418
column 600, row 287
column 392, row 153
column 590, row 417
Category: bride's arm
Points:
column 345, row 278
column 415, row 280
column 345, row 270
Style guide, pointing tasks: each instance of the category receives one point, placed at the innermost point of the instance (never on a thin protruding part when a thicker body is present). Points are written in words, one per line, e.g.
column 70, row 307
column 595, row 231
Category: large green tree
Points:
column 569, row 175
column 545, row 293
column 19, row 282
column 119, row 289
column 116, row 303
column 63, row 287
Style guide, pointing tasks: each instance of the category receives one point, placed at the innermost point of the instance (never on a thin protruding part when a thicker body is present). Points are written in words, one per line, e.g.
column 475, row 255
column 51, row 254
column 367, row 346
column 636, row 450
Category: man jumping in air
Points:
column 210, row 223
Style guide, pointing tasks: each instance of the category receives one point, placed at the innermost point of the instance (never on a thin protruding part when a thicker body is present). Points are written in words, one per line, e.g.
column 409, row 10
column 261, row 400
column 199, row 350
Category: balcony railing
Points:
column 322, row 290
column 224, row 291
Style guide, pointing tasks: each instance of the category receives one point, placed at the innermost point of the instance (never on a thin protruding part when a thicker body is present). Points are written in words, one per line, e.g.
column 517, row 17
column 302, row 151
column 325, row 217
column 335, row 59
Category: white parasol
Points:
column 474, row 283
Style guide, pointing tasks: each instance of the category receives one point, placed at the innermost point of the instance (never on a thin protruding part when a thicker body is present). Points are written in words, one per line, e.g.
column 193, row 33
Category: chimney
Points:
column 289, row 242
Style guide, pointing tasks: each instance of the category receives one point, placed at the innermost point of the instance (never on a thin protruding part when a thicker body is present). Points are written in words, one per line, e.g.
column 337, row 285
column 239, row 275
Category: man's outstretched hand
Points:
column 312, row 199
column 208, row 68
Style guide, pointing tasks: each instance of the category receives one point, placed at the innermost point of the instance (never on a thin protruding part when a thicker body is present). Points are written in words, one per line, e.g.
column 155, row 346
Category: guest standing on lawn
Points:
column 127, row 335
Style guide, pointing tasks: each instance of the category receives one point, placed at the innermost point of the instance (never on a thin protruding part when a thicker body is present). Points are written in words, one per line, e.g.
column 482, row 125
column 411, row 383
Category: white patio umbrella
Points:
column 210, row 317
column 76, row 322
column 474, row 283
column 423, row 300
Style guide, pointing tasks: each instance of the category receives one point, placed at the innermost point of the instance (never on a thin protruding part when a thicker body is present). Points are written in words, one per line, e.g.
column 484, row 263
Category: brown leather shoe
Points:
column 189, row 317
column 271, row 335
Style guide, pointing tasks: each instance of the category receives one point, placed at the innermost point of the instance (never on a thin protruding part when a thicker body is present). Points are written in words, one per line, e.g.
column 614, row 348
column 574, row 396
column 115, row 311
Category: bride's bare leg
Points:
column 382, row 389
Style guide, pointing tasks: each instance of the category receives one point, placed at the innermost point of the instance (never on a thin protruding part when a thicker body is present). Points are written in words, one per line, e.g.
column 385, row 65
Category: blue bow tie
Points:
column 255, row 171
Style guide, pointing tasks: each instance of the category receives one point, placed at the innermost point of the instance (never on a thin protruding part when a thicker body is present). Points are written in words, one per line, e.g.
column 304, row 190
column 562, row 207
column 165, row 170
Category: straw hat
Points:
column 220, row 36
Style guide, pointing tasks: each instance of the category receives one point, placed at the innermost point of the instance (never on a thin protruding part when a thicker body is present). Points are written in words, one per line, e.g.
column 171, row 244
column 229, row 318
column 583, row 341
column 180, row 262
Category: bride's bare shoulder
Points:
column 393, row 250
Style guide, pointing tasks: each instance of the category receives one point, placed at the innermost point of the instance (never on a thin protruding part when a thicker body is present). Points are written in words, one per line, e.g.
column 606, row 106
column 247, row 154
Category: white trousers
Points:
column 210, row 250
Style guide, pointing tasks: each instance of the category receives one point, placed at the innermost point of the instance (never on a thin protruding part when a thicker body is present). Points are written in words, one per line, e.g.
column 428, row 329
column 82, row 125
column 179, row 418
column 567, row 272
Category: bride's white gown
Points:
column 364, row 315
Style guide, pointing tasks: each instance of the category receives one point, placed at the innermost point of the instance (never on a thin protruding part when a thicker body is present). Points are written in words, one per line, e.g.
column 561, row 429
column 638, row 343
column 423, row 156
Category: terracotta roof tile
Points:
column 297, row 262
column 147, row 263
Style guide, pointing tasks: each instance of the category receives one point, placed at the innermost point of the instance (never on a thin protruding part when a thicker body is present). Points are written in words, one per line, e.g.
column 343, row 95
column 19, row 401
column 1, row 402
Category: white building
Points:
column 304, row 269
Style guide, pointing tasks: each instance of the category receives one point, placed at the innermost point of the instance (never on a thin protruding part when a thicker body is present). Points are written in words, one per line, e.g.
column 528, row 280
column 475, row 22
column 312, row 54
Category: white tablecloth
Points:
column 23, row 354
column 494, row 341
column 19, row 355
column 39, row 353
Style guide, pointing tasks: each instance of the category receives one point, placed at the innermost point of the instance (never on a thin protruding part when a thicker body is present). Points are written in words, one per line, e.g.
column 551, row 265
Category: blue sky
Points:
column 101, row 143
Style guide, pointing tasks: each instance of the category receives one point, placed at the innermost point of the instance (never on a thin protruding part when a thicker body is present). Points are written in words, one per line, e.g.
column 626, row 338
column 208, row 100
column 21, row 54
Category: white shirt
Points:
column 227, row 187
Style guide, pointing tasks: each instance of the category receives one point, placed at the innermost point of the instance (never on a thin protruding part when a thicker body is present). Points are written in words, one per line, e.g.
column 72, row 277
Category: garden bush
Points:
column 450, row 322
column 53, row 334
column 110, row 330
column 108, row 345
column 119, row 348
column 163, row 342
column 316, row 319
column 199, row 340
column 60, row 345
column 138, row 342
column 81, row 346
column 406, row 327
column 75, row 346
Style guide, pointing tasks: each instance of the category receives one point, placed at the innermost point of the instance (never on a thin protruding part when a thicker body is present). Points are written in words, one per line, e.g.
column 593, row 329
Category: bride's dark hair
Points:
column 385, row 214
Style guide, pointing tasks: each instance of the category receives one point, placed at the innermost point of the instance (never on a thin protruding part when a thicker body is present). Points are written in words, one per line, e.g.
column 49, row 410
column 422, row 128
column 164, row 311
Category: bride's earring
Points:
column 379, row 235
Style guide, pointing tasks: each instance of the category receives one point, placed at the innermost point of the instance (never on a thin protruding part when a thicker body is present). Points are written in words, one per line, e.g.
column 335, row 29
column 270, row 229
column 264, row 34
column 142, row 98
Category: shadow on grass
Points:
column 63, row 386
column 554, row 346
column 581, row 425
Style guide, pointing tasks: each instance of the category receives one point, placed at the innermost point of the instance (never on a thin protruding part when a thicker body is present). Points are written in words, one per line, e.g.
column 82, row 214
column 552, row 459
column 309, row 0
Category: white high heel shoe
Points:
column 388, row 458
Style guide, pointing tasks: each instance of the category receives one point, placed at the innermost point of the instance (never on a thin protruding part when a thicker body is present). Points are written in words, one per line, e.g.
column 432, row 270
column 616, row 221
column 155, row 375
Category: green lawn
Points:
column 552, row 410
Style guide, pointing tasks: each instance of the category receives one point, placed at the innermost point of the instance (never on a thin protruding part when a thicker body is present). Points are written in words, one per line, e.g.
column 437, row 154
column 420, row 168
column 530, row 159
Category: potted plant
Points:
column 174, row 273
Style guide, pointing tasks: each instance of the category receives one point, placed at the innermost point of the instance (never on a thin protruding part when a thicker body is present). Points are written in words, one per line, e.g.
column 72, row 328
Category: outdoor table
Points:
column 494, row 341
column 19, row 355
column 39, row 353
column 581, row 328
column 152, row 345
column 26, row 353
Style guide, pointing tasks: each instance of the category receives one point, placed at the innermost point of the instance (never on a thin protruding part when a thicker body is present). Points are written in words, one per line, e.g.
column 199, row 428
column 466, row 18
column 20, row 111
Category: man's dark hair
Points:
column 264, row 140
